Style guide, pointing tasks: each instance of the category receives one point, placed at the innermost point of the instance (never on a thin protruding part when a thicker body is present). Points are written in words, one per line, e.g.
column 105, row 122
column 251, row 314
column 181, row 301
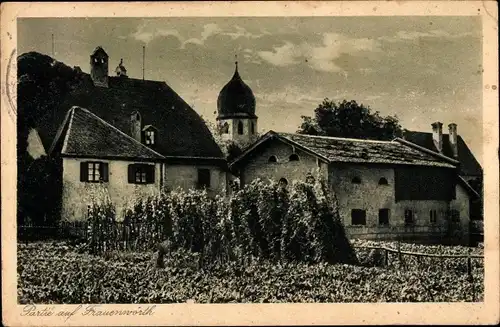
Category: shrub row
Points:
column 262, row 220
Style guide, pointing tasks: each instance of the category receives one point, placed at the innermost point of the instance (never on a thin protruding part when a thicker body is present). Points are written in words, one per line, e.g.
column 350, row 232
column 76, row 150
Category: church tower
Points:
column 236, row 117
column 99, row 67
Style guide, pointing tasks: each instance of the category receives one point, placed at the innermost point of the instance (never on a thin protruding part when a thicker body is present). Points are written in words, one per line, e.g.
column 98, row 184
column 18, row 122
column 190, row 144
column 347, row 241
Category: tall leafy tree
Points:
column 350, row 119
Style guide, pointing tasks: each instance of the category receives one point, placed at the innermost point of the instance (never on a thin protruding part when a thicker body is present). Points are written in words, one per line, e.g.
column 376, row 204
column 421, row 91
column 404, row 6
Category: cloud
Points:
column 319, row 57
column 402, row 36
column 241, row 32
column 146, row 35
column 208, row 31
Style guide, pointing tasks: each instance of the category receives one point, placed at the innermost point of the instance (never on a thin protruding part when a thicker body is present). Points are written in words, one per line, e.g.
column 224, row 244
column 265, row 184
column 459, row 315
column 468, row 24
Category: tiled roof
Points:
column 334, row 149
column 469, row 166
column 181, row 131
column 83, row 134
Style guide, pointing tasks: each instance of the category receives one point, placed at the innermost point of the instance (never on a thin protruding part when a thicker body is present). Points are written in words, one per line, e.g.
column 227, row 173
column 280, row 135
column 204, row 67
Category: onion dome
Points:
column 236, row 99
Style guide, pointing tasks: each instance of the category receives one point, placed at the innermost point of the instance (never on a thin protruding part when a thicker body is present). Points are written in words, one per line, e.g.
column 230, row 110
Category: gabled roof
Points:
column 470, row 190
column 83, row 134
column 335, row 149
column 469, row 166
column 182, row 133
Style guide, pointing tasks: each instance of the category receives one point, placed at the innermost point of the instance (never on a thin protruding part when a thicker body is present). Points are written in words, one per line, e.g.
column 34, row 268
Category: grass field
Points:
column 62, row 273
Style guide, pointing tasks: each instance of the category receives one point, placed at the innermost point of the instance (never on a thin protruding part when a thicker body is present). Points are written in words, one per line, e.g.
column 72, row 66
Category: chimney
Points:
column 437, row 135
column 135, row 126
column 453, row 136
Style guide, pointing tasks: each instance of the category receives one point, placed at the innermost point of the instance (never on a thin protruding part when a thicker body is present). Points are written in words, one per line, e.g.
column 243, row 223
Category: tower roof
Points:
column 236, row 99
column 98, row 50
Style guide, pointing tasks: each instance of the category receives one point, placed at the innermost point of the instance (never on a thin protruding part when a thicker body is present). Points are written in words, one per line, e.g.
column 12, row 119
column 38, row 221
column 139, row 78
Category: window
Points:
column 225, row 128
column 240, row 128
column 252, row 127
column 141, row 174
column 294, row 157
column 433, row 216
column 356, row 180
column 283, row 182
column 150, row 137
column 383, row 217
column 409, row 217
column 203, row 178
column 93, row 171
column 455, row 216
column 272, row 159
column 358, row 217
column 382, row 181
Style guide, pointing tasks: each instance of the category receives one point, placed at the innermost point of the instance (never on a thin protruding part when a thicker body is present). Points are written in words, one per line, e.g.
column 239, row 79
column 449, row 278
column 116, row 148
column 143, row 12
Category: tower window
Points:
column 240, row 128
column 294, row 157
column 272, row 159
column 382, row 181
column 252, row 127
column 356, row 180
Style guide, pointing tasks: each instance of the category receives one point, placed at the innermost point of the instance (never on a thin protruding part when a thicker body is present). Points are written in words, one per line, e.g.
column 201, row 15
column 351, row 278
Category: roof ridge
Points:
column 119, row 131
column 338, row 138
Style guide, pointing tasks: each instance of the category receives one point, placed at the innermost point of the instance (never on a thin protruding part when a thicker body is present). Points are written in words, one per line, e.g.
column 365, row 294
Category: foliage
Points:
column 262, row 220
column 39, row 184
column 59, row 273
column 350, row 119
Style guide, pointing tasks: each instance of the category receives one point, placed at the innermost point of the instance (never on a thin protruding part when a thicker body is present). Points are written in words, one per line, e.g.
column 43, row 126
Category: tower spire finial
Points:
column 236, row 61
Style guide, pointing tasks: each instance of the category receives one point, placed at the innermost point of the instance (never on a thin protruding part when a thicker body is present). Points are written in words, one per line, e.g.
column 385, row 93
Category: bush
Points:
column 262, row 220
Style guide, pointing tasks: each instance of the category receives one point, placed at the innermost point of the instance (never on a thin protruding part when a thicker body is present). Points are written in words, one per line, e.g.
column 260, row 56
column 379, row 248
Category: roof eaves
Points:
column 68, row 131
column 423, row 149
column 468, row 187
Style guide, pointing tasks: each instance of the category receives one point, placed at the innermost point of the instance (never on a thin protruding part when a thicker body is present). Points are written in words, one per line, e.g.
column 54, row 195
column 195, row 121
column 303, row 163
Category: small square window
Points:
column 409, row 217
column 358, row 217
column 433, row 216
column 383, row 217
column 203, row 178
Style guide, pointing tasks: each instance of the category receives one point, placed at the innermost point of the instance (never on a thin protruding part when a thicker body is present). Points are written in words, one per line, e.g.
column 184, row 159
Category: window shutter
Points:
column 104, row 172
column 151, row 177
column 131, row 177
column 84, row 171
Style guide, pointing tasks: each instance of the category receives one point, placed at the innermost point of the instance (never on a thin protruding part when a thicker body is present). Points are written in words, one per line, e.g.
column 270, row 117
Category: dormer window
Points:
column 149, row 135
column 294, row 157
column 382, row 181
column 356, row 180
column 272, row 159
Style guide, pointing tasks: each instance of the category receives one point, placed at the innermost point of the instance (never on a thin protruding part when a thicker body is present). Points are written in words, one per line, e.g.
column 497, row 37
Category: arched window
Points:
column 272, row 159
column 240, row 128
column 283, row 182
column 356, row 180
column 382, row 181
column 225, row 128
column 294, row 157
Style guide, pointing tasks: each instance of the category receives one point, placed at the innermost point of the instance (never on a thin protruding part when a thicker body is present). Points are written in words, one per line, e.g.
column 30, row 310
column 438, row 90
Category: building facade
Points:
column 385, row 190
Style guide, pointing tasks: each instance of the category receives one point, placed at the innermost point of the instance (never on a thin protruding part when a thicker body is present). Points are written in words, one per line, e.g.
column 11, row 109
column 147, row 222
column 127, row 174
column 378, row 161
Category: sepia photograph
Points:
column 248, row 160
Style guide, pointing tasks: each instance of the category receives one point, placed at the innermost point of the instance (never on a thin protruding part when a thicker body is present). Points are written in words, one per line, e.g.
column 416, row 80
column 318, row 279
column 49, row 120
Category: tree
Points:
column 350, row 119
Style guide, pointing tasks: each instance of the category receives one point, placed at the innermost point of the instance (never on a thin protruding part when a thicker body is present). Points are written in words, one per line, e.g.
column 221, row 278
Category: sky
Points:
column 422, row 69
